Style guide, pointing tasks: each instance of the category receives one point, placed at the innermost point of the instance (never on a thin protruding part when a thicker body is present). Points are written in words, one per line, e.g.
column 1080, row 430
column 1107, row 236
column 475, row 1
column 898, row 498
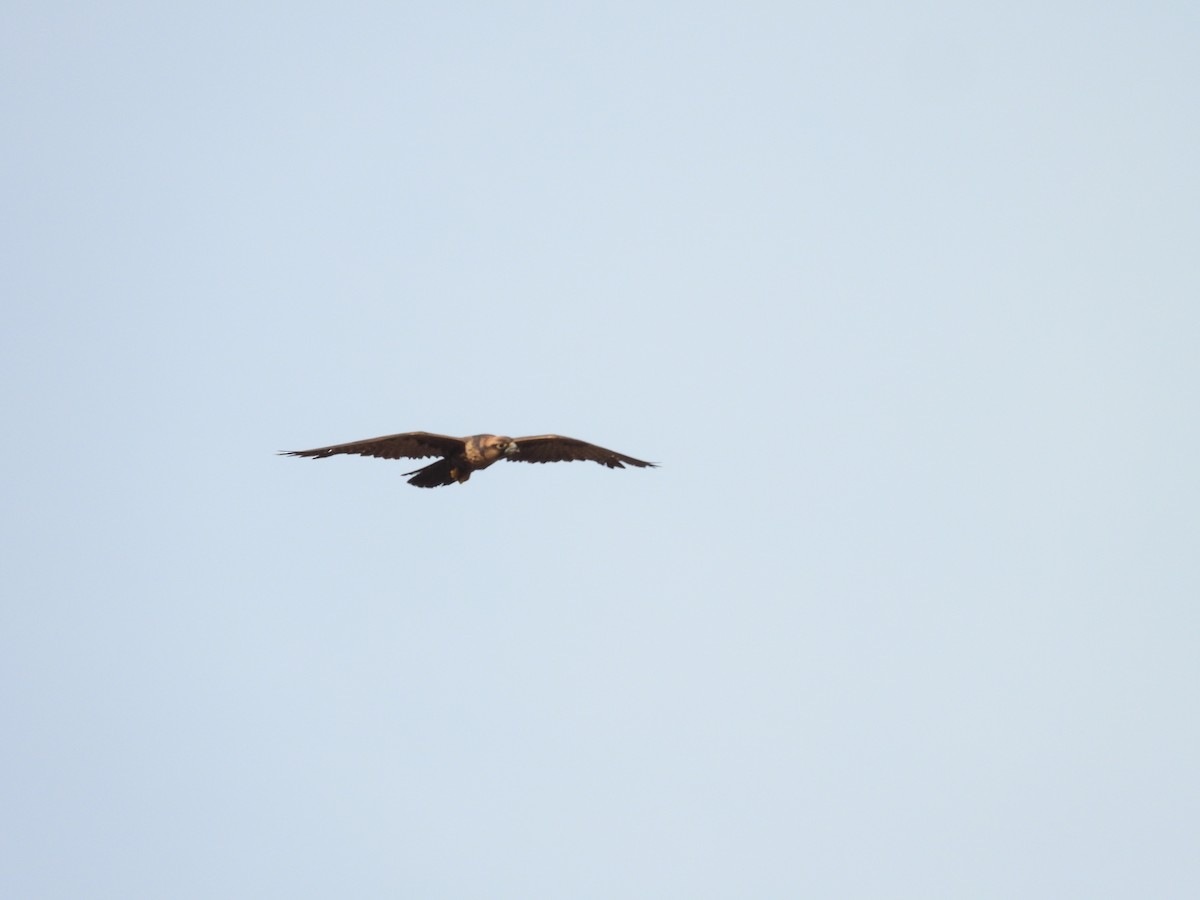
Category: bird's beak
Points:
column 512, row 449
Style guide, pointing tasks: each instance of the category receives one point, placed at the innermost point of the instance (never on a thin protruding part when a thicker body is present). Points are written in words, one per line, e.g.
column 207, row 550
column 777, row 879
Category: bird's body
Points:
column 462, row 456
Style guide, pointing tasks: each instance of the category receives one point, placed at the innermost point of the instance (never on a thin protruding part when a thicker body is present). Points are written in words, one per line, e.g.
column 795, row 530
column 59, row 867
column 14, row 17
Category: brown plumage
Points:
column 462, row 456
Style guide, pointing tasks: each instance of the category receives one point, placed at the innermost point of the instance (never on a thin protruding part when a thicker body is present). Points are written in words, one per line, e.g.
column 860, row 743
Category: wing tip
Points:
column 639, row 463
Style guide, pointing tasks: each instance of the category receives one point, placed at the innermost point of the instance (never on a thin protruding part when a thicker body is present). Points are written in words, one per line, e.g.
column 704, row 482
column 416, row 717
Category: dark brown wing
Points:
column 544, row 448
column 410, row 445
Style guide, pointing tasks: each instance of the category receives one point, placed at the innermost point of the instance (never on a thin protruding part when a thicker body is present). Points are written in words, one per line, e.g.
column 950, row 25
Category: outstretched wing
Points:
column 410, row 445
column 544, row 448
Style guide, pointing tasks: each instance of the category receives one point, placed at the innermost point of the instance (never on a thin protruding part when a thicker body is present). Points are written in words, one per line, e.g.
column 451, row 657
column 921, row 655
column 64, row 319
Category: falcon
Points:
column 459, row 457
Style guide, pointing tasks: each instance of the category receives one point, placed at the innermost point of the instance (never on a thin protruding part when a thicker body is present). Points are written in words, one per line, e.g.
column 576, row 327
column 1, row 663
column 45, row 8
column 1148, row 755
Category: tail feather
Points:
column 433, row 475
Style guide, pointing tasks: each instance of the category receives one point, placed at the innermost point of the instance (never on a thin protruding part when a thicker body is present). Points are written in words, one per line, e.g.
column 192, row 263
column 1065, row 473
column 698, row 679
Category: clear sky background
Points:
column 905, row 298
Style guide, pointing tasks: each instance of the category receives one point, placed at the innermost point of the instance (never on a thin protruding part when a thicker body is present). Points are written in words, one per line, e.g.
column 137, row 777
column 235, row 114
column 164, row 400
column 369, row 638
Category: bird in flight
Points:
column 459, row 457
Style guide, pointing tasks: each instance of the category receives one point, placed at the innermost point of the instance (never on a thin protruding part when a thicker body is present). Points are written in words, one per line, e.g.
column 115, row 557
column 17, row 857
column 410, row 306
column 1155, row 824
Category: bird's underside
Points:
column 459, row 457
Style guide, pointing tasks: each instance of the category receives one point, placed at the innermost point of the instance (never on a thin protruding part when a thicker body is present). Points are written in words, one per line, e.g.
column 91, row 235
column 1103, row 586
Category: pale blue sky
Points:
column 903, row 296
